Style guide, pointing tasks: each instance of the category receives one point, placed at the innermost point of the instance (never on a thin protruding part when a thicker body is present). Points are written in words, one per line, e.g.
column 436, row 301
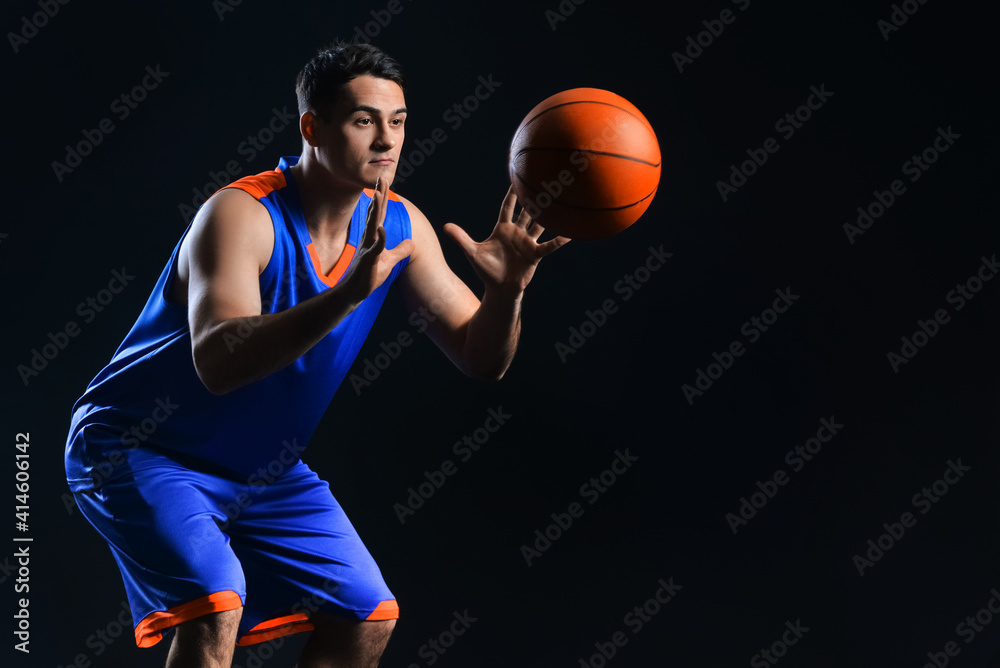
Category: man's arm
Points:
column 480, row 337
column 229, row 245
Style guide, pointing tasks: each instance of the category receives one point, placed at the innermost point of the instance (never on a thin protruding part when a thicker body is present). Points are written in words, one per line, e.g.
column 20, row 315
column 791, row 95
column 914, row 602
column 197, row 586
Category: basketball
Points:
column 585, row 163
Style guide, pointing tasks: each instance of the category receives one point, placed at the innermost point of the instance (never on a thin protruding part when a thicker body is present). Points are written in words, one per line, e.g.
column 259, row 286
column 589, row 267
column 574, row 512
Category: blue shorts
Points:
column 190, row 543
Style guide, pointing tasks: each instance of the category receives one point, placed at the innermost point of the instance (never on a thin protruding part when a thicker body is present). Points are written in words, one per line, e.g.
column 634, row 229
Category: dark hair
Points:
column 318, row 85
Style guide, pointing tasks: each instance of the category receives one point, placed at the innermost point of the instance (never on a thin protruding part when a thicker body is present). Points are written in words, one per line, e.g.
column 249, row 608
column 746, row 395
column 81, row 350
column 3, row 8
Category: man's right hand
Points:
column 372, row 263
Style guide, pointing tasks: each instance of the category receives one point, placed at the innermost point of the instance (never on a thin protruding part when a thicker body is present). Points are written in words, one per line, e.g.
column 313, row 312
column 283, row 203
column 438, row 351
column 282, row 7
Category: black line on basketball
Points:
column 528, row 122
column 583, row 150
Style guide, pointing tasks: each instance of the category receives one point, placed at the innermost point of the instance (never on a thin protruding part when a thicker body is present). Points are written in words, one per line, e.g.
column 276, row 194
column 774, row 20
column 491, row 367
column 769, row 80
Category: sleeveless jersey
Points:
column 149, row 397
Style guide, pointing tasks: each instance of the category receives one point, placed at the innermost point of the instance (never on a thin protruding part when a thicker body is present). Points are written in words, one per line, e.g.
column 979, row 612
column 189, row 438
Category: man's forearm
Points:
column 492, row 335
column 239, row 351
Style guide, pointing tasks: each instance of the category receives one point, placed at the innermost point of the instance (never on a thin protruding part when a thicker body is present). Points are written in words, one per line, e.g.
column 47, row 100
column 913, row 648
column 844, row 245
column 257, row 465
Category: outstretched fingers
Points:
column 552, row 245
column 376, row 214
column 534, row 230
column 523, row 219
column 507, row 208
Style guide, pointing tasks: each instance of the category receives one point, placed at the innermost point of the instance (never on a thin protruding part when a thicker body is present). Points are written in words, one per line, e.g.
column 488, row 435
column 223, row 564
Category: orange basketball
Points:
column 585, row 163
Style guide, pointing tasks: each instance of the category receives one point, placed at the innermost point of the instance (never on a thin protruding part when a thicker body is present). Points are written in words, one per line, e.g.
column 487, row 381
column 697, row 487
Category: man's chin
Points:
column 382, row 172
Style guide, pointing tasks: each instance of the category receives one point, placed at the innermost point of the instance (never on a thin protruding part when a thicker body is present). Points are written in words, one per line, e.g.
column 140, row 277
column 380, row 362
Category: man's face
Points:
column 361, row 139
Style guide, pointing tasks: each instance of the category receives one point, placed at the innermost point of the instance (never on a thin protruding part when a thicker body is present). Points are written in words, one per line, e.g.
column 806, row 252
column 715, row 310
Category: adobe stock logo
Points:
column 626, row 286
column 753, row 329
column 695, row 46
column 464, row 449
column 592, row 490
column 122, row 106
column 967, row 630
column 923, row 501
column 796, row 458
column 635, row 619
column 454, row 116
column 927, row 329
column 792, row 634
column 249, row 148
column 915, row 167
column 786, row 125
column 381, row 20
column 104, row 636
column 37, row 21
column 41, row 356
column 898, row 18
column 562, row 12
column 437, row 646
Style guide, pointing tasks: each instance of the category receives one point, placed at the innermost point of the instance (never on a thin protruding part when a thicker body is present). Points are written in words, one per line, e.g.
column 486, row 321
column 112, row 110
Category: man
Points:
column 183, row 452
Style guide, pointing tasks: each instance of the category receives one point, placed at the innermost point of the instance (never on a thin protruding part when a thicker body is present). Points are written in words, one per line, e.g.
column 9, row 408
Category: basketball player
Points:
column 184, row 451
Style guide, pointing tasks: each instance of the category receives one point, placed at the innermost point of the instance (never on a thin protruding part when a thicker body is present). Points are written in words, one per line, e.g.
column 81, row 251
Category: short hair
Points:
column 319, row 84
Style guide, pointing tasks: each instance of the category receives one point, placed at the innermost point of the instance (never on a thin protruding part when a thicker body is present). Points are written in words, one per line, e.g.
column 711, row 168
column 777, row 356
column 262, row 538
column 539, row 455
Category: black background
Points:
column 666, row 516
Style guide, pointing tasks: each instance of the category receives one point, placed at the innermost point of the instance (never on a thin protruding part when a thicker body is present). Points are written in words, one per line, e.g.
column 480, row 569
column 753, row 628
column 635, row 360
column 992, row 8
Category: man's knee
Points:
column 362, row 634
column 206, row 641
column 340, row 625
column 382, row 628
column 213, row 628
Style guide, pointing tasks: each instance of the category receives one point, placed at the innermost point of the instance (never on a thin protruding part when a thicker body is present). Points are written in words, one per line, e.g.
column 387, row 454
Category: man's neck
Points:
column 327, row 204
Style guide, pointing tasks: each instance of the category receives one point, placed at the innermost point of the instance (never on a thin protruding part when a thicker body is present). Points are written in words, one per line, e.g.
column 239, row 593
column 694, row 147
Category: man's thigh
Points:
column 162, row 523
column 190, row 543
column 301, row 555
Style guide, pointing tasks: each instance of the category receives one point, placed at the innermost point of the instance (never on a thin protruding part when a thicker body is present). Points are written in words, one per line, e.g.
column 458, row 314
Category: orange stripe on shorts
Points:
column 152, row 627
column 277, row 627
column 384, row 610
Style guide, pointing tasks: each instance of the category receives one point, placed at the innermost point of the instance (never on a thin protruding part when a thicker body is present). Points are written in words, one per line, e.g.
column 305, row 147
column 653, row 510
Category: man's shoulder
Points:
column 232, row 221
column 418, row 221
column 234, row 206
column 259, row 185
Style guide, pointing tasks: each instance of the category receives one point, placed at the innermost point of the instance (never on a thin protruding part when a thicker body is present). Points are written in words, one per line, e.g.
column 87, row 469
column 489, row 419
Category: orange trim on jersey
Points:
column 393, row 197
column 261, row 185
column 345, row 258
column 277, row 627
column 384, row 610
column 152, row 627
column 338, row 269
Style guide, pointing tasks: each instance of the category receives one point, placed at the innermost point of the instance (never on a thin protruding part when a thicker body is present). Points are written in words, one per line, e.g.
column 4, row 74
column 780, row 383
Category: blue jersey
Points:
column 149, row 397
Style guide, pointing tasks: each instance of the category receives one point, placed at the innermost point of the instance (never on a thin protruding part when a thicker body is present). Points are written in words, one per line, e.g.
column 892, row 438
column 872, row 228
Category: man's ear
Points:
column 307, row 126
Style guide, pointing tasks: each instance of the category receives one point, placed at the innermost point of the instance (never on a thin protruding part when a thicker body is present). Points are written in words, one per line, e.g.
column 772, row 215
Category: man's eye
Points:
column 364, row 120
